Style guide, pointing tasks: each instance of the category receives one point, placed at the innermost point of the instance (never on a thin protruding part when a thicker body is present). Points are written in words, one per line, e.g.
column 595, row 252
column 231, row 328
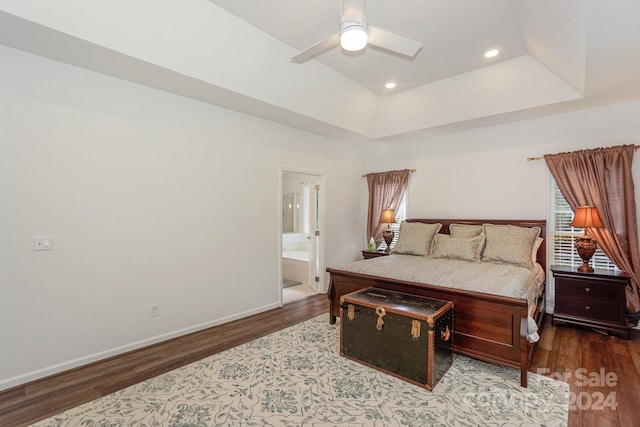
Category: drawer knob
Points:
column 587, row 307
column 587, row 289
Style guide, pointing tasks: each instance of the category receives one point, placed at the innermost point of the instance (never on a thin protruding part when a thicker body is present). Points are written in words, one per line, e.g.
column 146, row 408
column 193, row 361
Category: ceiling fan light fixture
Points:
column 353, row 35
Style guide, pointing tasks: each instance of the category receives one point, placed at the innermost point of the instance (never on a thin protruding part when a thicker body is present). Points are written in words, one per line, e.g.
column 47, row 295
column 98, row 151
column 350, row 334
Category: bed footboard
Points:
column 487, row 327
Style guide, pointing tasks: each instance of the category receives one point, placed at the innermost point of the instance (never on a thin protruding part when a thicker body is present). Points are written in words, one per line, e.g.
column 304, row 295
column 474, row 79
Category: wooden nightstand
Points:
column 594, row 300
column 373, row 254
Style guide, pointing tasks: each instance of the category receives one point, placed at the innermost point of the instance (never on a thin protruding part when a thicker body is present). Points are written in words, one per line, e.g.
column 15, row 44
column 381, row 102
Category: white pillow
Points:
column 466, row 248
column 509, row 244
column 534, row 249
column 415, row 238
column 464, row 230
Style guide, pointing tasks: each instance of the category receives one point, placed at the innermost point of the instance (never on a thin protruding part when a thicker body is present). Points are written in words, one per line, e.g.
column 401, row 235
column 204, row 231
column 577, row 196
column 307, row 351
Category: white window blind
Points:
column 562, row 235
column 401, row 215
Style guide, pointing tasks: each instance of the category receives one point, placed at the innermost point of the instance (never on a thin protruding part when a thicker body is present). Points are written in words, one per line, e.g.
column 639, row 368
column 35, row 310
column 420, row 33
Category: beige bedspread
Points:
column 495, row 279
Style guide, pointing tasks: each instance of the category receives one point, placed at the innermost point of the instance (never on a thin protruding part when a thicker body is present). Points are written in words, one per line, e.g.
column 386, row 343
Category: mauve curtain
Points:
column 385, row 192
column 602, row 178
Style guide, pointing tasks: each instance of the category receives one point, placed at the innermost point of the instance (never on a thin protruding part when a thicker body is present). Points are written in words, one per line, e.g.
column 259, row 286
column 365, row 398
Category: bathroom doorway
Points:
column 301, row 236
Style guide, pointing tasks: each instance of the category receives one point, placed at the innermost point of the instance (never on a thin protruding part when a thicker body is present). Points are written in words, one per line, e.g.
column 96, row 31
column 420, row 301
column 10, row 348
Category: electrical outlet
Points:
column 42, row 243
column 155, row 310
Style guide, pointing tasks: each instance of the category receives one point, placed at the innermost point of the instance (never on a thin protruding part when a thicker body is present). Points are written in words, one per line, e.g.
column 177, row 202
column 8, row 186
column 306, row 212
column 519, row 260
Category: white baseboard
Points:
column 85, row 360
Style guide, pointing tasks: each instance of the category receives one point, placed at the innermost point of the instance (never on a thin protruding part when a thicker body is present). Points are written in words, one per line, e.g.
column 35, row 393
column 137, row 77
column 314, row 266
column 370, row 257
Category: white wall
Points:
column 151, row 198
column 483, row 173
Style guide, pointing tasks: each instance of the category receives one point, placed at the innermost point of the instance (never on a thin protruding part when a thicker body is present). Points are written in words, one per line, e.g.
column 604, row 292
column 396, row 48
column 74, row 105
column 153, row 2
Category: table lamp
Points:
column 586, row 217
column 388, row 216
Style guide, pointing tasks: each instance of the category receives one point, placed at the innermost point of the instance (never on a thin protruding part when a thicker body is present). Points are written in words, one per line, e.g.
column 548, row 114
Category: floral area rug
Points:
column 296, row 377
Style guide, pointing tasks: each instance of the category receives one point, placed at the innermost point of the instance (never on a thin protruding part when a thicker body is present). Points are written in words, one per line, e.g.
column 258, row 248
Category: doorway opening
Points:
column 301, row 237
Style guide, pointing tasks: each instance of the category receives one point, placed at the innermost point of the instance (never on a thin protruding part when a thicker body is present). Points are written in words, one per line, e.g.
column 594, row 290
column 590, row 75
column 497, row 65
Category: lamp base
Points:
column 585, row 267
column 586, row 247
column 387, row 235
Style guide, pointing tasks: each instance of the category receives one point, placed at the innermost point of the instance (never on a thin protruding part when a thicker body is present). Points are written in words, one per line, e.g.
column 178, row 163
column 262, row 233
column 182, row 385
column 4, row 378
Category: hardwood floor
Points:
column 602, row 372
column 561, row 351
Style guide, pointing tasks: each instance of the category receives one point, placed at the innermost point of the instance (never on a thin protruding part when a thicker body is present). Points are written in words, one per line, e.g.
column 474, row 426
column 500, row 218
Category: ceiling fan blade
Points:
column 393, row 42
column 317, row 49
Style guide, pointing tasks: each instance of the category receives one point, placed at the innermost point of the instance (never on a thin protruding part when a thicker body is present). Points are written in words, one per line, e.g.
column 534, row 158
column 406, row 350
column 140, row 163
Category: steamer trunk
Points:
column 408, row 336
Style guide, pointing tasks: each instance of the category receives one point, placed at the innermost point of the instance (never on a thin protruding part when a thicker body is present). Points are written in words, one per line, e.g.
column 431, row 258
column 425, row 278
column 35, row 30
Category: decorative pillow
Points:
column 415, row 238
column 534, row 249
column 509, row 244
column 467, row 248
column 464, row 230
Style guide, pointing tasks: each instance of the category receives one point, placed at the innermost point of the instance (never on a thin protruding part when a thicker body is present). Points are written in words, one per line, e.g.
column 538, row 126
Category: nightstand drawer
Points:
column 570, row 288
column 587, row 308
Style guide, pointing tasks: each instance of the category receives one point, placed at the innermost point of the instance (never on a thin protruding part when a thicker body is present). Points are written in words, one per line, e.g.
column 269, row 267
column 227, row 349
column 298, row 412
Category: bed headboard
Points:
column 542, row 251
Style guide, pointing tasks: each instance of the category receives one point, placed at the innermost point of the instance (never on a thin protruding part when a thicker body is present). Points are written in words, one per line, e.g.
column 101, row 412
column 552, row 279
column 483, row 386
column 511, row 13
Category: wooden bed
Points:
column 487, row 327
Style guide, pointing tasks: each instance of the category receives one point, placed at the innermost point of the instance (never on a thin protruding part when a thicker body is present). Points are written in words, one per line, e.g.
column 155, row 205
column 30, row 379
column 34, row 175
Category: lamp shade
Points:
column 587, row 216
column 388, row 216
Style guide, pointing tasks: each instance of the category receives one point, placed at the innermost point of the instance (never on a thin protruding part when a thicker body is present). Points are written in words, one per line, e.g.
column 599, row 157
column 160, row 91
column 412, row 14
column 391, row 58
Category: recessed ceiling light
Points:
column 390, row 85
column 491, row 53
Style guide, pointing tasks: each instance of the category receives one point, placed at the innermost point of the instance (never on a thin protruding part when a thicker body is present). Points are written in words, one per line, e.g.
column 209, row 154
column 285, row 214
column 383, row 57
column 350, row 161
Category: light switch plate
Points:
column 42, row 243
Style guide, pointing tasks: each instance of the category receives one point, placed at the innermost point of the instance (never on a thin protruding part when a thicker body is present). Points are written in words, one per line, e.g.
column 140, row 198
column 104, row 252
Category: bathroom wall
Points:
column 293, row 182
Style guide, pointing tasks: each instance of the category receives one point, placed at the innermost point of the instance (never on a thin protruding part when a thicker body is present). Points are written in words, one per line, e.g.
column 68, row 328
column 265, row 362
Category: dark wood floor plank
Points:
column 50, row 405
column 626, row 393
column 574, row 348
column 9, row 397
column 555, row 349
column 547, row 339
column 540, row 358
column 596, row 365
column 634, row 349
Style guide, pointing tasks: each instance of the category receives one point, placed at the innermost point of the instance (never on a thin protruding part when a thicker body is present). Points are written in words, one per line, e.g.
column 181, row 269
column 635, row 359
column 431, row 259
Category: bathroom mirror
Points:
column 291, row 213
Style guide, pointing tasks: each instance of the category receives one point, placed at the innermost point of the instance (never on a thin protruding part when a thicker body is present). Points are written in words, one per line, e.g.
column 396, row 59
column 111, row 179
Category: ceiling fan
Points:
column 355, row 34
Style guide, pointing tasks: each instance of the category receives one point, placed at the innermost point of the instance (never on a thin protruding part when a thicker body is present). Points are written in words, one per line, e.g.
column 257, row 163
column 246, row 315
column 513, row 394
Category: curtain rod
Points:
column 531, row 159
column 410, row 170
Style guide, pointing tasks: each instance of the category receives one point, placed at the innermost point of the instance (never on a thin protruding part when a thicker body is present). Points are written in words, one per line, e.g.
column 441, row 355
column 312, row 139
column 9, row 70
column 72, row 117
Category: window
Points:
column 562, row 235
column 401, row 215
